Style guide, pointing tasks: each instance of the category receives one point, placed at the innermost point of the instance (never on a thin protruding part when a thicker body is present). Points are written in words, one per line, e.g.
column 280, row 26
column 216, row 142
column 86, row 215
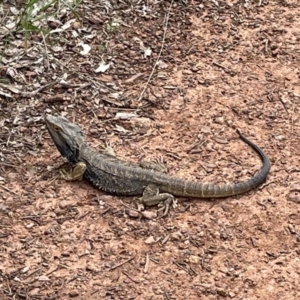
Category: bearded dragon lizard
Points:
column 110, row 174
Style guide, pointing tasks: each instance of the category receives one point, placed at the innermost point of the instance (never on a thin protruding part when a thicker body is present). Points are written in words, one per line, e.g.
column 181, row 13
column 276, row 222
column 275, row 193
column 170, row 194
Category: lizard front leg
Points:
column 75, row 174
column 151, row 197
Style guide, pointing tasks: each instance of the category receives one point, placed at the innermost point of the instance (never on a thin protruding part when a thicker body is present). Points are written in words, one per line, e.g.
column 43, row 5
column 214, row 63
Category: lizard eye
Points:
column 56, row 128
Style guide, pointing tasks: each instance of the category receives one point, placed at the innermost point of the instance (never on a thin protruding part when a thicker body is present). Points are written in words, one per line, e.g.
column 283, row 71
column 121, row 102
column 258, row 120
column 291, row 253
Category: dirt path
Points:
column 224, row 65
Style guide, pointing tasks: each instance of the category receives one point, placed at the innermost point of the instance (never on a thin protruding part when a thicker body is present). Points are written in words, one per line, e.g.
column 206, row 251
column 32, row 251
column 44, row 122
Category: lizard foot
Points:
column 75, row 174
column 151, row 197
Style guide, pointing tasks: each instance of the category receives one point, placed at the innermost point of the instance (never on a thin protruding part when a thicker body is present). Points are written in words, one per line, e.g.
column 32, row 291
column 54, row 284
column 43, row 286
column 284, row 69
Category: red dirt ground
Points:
column 224, row 65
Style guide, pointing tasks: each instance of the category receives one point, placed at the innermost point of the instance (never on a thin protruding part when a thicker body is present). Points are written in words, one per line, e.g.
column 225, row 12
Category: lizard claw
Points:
column 63, row 174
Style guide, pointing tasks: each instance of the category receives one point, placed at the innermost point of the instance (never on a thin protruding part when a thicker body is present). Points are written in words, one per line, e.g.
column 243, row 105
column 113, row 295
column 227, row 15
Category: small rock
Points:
column 105, row 198
column 76, row 25
column 25, row 269
column 219, row 120
column 224, row 270
column 183, row 246
column 295, row 187
column 231, row 294
column 221, row 140
column 91, row 268
column 188, row 72
column 93, row 131
column 221, row 292
column 206, row 285
column 73, row 294
column 150, row 215
column 176, row 236
column 10, row 175
column 142, row 125
column 195, row 68
column 279, row 137
column 133, row 213
column 150, row 240
column 3, row 207
column 53, row 24
column 67, row 203
column 205, row 129
column 30, row 225
column 194, row 259
column 293, row 196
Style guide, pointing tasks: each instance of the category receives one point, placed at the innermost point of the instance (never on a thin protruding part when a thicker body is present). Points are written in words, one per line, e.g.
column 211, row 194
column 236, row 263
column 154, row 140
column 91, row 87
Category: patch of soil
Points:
column 223, row 65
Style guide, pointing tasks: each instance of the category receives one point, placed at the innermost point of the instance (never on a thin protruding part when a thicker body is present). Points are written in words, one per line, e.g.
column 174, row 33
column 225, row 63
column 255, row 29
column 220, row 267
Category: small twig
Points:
column 8, row 190
column 33, row 93
column 147, row 263
column 284, row 106
column 33, row 272
column 94, row 292
column 123, row 263
column 218, row 65
column 179, row 265
column 160, row 52
column 72, row 279
column 266, row 45
column 130, row 208
column 30, row 217
column 26, row 94
column 134, row 280
column 5, row 94
column 167, row 237
column 52, row 271
column 222, row 67
column 8, row 139
column 50, row 181
column 266, row 184
column 292, row 116
column 46, row 50
column 7, row 165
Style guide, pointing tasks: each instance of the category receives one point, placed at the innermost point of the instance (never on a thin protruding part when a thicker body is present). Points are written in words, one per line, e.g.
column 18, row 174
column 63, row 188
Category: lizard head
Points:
column 67, row 137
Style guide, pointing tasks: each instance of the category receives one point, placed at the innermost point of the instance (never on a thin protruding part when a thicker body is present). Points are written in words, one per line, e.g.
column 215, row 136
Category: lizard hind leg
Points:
column 151, row 197
column 108, row 150
column 75, row 174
